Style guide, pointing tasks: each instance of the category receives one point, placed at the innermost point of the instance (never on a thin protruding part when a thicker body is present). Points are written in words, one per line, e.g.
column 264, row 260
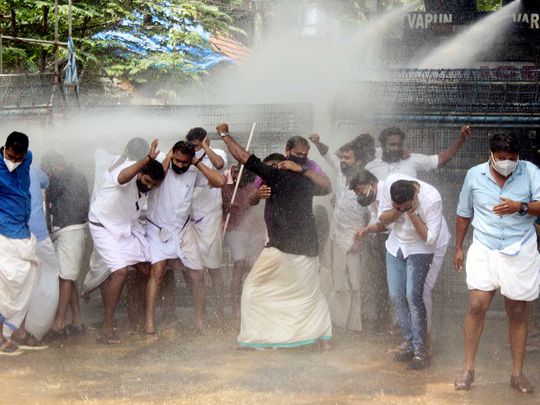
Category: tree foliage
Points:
column 169, row 26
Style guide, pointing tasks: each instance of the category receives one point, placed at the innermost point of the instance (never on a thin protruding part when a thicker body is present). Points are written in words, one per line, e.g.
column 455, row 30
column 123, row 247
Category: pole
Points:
column 240, row 172
column 1, row 48
column 56, row 40
column 69, row 18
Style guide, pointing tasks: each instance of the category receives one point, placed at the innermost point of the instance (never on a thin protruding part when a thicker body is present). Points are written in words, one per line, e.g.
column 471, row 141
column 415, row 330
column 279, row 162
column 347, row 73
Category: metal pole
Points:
column 1, row 48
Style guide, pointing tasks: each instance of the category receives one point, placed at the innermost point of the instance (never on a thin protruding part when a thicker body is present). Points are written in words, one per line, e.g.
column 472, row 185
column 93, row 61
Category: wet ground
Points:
column 183, row 367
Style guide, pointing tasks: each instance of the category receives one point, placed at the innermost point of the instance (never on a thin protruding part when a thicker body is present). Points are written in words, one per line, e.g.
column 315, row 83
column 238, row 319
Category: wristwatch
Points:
column 523, row 208
column 224, row 134
column 304, row 170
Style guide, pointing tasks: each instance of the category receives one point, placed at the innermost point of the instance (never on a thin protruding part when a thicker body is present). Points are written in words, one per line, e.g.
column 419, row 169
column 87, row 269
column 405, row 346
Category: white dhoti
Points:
column 340, row 276
column 282, row 304
column 70, row 244
column 516, row 272
column 44, row 299
column 208, row 235
column 114, row 253
column 180, row 244
column 18, row 265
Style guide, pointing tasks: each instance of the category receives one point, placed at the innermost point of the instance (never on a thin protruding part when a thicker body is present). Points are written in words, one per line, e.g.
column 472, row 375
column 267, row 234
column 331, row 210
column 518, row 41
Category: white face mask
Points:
column 9, row 164
column 504, row 167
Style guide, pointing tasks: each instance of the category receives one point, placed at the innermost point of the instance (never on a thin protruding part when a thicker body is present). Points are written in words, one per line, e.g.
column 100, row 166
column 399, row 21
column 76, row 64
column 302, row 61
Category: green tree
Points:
column 168, row 23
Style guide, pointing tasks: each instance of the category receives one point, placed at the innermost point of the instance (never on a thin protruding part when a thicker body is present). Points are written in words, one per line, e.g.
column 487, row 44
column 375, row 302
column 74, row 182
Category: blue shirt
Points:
column 38, row 181
column 15, row 198
column 480, row 193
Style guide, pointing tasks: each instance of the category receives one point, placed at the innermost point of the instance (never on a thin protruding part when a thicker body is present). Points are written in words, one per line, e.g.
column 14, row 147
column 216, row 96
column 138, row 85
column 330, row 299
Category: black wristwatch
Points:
column 304, row 170
column 523, row 208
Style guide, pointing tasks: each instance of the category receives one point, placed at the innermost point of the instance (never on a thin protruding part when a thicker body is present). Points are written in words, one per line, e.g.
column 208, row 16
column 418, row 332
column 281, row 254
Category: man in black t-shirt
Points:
column 282, row 305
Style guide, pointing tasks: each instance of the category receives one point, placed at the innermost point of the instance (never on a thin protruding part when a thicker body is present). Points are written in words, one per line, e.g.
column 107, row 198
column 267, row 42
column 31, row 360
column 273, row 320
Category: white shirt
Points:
column 410, row 167
column 116, row 206
column 205, row 198
column 169, row 204
column 349, row 216
column 403, row 235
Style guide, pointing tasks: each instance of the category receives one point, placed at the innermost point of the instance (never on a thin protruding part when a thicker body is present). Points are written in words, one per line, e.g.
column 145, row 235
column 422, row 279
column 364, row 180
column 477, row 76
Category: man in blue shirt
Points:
column 17, row 247
column 501, row 199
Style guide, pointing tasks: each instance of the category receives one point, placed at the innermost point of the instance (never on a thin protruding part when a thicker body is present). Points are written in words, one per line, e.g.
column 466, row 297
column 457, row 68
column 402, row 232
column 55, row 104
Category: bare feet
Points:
column 109, row 338
column 464, row 379
column 521, row 384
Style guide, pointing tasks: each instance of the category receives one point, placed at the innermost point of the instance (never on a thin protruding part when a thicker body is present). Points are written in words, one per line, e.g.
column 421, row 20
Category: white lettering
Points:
column 447, row 18
column 516, row 17
column 525, row 18
column 425, row 20
column 534, row 21
column 429, row 19
column 412, row 19
column 419, row 22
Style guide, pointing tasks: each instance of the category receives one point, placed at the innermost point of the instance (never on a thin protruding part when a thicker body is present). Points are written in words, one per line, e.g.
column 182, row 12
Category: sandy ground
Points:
column 183, row 367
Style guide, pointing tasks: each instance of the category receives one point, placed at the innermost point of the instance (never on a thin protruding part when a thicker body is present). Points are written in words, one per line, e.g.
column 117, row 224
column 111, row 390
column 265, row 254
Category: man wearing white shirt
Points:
column 412, row 211
column 169, row 230
column 392, row 157
column 207, row 213
column 117, row 234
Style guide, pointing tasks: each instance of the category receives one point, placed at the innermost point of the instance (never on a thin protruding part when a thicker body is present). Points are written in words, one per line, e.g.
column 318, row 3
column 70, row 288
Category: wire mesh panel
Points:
column 20, row 91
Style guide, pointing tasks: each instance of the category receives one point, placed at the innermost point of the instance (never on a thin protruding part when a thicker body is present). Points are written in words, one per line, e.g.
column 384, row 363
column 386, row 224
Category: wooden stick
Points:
column 238, row 178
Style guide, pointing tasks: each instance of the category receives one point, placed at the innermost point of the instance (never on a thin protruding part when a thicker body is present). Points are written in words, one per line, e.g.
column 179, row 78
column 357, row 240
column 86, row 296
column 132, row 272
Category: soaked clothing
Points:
column 291, row 225
column 68, row 198
column 37, row 223
column 15, row 200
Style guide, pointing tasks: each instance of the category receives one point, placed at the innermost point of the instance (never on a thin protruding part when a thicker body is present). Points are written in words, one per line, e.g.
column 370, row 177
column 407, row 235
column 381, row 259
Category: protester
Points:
column 342, row 269
column 412, row 211
column 115, row 229
column 67, row 208
column 169, row 230
column 501, row 200
column 282, row 305
column 206, row 212
column 246, row 232
column 44, row 297
column 393, row 158
column 18, row 261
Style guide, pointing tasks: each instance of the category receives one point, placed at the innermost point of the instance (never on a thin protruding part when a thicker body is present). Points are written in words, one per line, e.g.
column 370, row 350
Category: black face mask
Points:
column 392, row 156
column 141, row 187
column 298, row 160
column 365, row 200
column 178, row 169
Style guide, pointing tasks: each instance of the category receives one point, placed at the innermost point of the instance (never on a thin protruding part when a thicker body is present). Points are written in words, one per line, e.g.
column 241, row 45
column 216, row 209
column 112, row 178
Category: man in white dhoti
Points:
column 169, row 230
column 115, row 229
column 18, row 261
column 342, row 268
column 282, row 304
column 67, row 208
column 501, row 199
column 206, row 213
column 44, row 298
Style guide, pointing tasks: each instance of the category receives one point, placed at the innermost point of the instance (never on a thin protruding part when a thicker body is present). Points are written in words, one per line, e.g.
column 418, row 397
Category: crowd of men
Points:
column 153, row 216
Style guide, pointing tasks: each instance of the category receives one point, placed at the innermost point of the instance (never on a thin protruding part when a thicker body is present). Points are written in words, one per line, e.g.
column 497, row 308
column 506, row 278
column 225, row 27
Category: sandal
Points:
column 8, row 348
column 521, row 384
column 108, row 339
column 403, row 352
column 79, row 330
column 28, row 342
column 53, row 335
column 464, row 379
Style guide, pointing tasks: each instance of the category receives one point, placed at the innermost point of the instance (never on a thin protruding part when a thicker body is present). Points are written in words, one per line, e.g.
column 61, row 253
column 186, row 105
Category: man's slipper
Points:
column 109, row 340
column 79, row 330
column 8, row 348
column 521, row 384
column 53, row 335
column 28, row 342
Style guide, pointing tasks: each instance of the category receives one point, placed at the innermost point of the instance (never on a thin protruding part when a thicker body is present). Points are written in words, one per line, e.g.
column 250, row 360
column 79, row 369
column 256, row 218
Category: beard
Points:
column 346, row 170
column 141, row 187
column 392, row 156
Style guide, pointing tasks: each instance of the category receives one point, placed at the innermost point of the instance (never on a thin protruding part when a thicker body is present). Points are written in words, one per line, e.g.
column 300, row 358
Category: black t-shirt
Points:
column 291, row 225
column 68, row 199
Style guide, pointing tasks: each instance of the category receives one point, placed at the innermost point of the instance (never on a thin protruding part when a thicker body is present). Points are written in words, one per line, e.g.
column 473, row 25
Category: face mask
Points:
column 141, row 187
column 178, row 169
column 365, row 200
column 298, row 160
column 9, row 164
column 503, row 167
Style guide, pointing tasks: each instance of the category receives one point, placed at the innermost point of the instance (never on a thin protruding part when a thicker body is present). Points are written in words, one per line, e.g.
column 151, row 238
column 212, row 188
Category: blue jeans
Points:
column 406, row 277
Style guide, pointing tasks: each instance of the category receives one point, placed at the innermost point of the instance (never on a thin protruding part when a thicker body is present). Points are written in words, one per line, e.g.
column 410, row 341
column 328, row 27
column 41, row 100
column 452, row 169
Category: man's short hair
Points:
column 504, row 142
column 196, row 134
column 274, row 157
column 185, row 148
column 366, row 147
column 154, row 169
column 361, row 177
column 296, row 140
column 137, row 148
column 17, row 142
column 350, row 146
column 402, row 191
column 388, row 132
column 51, row 159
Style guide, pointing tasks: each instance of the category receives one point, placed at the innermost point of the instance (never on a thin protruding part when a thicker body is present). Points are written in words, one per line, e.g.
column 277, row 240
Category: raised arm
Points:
column 126, row 175
column 446, row 155
column 215, row 178
column 239, row 153
column 316, row 139
column 217, row 161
